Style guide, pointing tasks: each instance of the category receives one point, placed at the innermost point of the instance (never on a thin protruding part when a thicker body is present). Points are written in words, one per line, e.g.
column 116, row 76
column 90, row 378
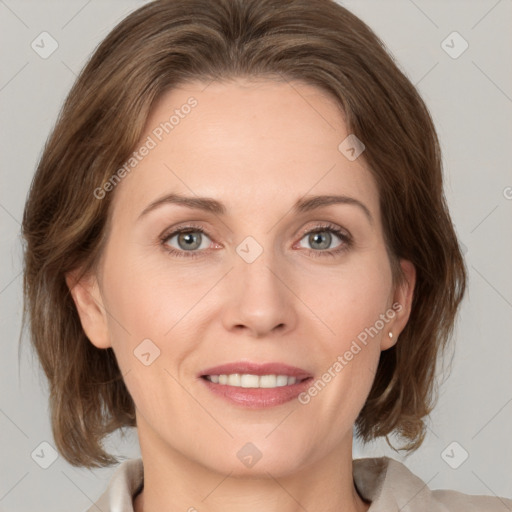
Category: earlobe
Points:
column 87, row 298
column 401, row 305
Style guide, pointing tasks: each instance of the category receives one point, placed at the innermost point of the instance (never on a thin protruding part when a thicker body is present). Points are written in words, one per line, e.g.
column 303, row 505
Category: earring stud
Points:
column 390, row 334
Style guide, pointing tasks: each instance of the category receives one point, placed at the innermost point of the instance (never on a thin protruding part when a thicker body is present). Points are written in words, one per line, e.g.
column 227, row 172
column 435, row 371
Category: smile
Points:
column 256, row 385
column 246, row 380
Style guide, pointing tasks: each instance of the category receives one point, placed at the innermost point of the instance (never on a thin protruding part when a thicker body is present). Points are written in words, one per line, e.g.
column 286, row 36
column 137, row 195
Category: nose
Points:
column 261, row 301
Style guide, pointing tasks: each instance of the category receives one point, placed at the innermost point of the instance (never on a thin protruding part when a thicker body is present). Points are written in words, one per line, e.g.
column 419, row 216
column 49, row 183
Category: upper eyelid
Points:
column 327, row 226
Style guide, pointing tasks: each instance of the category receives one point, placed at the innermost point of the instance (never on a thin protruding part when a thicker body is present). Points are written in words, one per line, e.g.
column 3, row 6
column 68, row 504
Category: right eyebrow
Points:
column 207, row 204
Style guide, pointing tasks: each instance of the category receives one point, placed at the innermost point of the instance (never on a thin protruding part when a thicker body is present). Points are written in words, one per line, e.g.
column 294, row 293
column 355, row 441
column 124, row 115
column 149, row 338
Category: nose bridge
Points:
column 260, row 301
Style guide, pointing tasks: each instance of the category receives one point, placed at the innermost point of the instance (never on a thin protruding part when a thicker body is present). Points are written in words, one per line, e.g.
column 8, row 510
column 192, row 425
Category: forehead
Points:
column 246, row 142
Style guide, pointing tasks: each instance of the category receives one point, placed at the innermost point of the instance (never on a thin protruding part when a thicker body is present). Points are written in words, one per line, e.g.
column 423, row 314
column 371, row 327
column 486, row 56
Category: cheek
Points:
column 353, row 306
column 350, row 304
column 350, row 298
column 149, row 300
column 148, row 314
column 153, row 309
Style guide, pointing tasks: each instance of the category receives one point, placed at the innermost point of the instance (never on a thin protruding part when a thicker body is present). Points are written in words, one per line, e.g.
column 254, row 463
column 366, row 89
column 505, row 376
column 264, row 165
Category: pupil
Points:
column 191, row 240
column 316, row 238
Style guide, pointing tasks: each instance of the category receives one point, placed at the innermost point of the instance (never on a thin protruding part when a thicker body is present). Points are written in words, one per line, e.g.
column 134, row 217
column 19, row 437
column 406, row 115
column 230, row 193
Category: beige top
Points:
column 387, row 483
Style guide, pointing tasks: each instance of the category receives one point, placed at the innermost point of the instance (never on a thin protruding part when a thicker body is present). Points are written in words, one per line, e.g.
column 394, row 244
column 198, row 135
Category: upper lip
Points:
column 247, row 367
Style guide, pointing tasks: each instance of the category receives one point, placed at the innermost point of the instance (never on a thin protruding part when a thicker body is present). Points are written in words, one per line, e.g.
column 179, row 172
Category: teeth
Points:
column 234, row 379
column 268, row 381
column 282, row 380
column 252, row 381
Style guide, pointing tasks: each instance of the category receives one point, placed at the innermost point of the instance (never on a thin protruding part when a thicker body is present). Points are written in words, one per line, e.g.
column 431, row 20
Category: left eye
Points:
column 321, row 239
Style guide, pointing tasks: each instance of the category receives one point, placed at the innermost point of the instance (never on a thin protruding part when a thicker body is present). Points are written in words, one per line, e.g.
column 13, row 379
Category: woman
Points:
column 238, row 242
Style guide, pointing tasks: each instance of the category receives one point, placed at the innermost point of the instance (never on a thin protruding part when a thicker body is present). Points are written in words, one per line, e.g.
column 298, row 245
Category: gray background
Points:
column 470, row 98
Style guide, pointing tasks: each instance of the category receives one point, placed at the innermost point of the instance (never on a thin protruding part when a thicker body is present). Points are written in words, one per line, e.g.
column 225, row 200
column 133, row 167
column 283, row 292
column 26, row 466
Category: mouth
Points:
column 254, row 385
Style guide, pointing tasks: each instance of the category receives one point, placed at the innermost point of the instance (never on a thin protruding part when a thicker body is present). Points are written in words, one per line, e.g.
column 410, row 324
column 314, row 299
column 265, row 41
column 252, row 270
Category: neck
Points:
column 175, row 482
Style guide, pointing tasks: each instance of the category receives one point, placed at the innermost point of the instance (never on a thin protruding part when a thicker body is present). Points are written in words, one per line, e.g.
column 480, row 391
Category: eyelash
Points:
column 345, row 238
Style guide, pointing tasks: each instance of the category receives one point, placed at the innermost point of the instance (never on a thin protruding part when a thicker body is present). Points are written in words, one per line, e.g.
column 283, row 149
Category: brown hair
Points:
column 166, row 43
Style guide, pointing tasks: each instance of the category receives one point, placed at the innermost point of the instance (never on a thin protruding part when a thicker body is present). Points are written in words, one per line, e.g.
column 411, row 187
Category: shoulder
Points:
column 453, row 500
column 392, row 487
column 124, row 484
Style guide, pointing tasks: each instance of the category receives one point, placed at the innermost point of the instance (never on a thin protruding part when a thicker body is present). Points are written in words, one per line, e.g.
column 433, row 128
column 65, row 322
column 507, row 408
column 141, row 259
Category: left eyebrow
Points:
column 211, row 205
column 310, row 203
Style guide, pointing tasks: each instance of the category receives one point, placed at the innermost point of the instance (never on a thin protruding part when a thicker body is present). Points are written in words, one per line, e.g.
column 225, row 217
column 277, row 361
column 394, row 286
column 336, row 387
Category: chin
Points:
column 258, row 454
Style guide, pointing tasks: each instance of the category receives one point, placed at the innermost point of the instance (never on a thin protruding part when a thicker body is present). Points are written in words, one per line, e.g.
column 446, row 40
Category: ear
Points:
column 401, row 305
column 89, row 304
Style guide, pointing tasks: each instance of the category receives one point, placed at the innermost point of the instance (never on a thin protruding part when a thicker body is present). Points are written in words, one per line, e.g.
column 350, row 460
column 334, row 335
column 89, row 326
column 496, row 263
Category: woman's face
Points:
column 263, row 275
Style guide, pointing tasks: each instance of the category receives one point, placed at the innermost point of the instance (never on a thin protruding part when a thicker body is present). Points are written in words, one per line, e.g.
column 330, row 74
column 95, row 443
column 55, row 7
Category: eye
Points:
column 189, row 239
column 320, row 240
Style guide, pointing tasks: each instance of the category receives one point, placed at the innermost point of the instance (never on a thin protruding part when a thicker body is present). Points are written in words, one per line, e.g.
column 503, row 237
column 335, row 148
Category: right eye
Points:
column 189, row 239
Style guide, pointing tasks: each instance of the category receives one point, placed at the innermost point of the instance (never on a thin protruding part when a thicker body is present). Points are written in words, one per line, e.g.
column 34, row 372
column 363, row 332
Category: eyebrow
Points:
column 210, row 205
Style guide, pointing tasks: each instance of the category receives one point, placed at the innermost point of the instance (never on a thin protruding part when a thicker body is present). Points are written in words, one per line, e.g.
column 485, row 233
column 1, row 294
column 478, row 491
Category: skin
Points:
column 257, row 147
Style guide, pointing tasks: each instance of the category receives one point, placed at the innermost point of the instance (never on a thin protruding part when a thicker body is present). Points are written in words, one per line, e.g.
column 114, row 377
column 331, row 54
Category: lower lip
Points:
column 258, row 398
